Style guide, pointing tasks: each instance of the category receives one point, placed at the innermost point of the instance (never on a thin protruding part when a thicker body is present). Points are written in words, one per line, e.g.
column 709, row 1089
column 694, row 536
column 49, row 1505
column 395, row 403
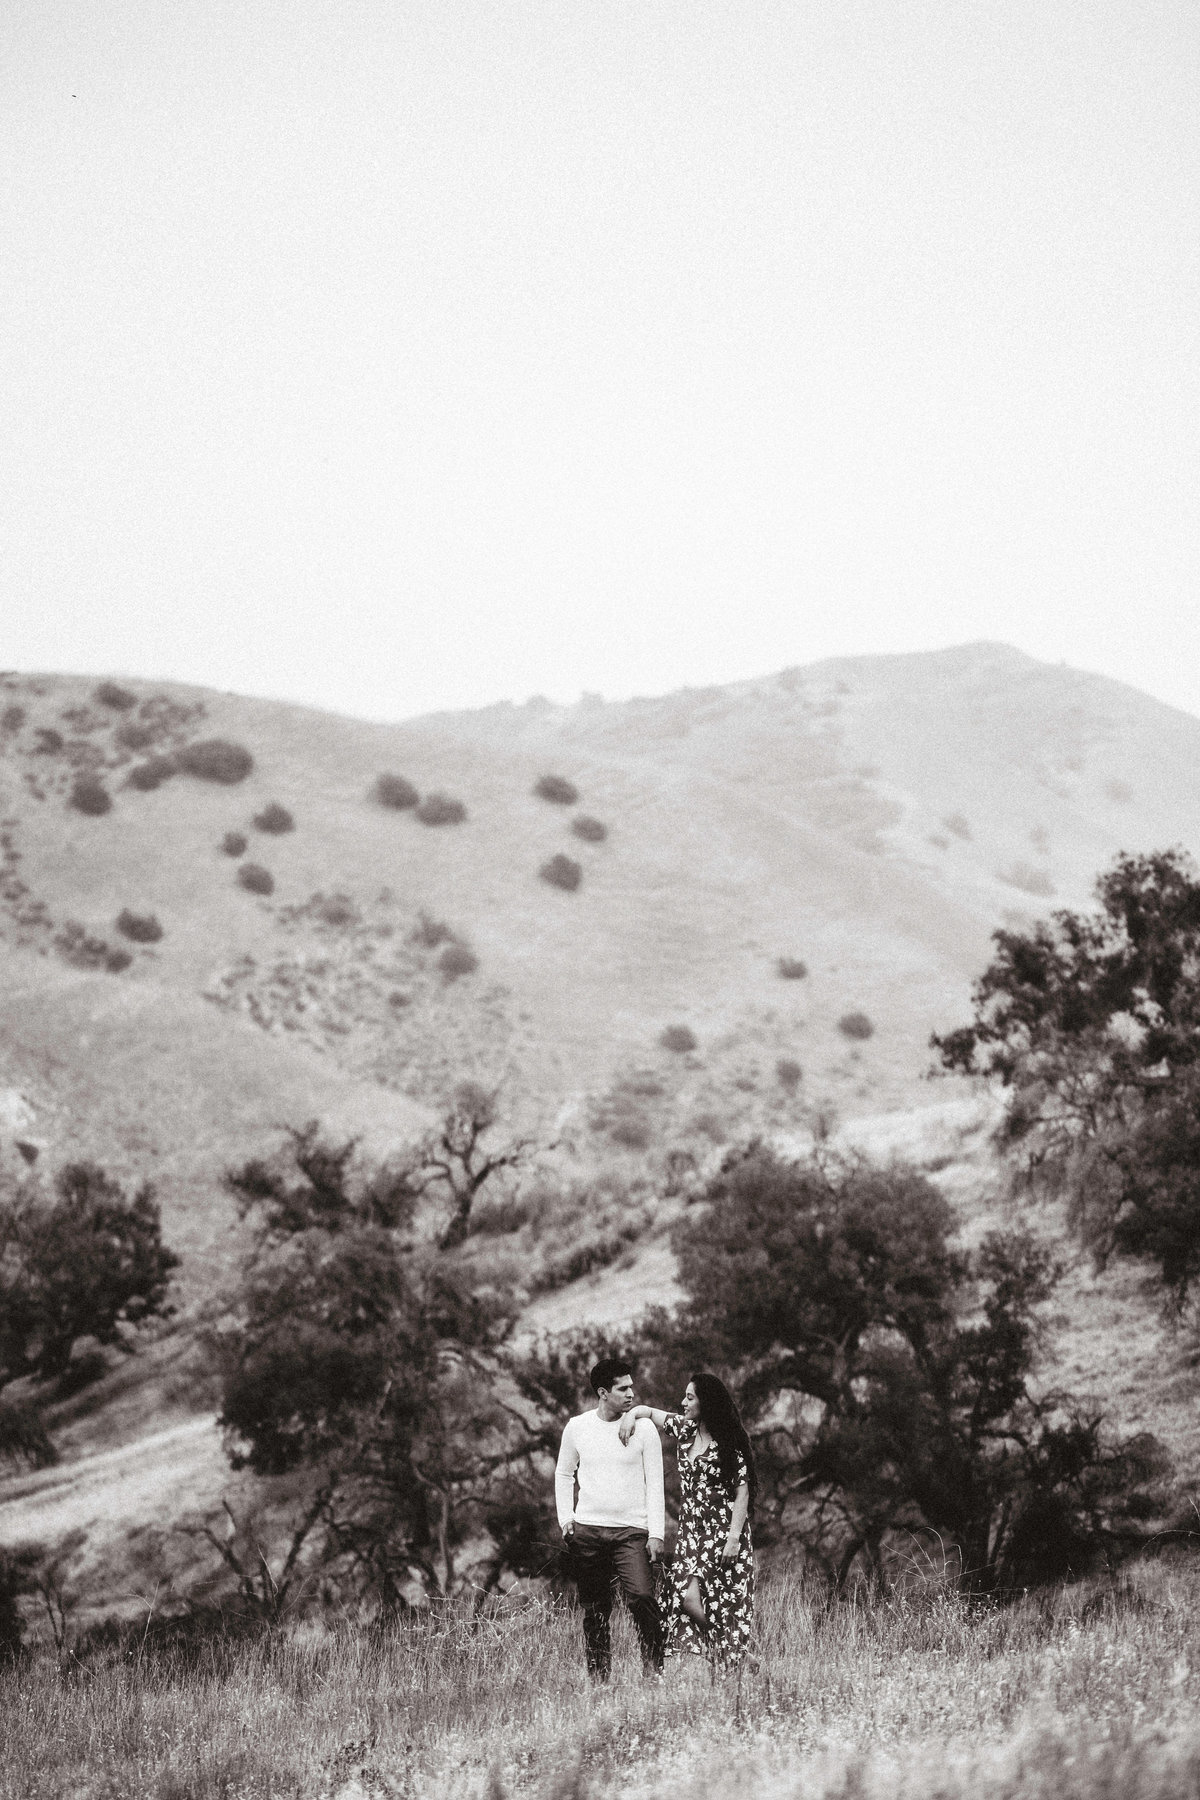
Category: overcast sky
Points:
column 402, row 354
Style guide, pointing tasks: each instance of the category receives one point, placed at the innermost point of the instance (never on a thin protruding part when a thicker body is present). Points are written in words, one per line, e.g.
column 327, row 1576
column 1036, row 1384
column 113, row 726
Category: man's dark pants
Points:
column 604, row 1556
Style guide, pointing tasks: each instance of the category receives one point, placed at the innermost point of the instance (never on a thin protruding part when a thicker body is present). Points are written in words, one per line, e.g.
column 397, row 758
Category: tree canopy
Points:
column 890, row 1380
column 1092, row 1023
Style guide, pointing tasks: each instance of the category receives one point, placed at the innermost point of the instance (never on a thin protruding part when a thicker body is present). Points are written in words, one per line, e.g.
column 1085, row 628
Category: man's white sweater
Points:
column 619, row 1484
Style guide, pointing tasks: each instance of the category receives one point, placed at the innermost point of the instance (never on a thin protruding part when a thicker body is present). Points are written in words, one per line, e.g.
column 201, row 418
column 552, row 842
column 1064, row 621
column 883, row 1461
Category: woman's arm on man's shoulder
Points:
column 628, row 1424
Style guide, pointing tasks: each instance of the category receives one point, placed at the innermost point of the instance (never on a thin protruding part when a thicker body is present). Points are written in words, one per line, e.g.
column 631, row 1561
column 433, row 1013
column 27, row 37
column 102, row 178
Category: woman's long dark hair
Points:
column 722, row 1420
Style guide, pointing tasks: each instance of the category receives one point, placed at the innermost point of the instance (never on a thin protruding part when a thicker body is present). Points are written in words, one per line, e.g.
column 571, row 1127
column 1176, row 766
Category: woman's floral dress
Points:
column 727, row 1589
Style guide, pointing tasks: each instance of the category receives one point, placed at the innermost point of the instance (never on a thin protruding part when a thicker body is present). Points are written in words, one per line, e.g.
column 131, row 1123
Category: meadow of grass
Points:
column 1089, row 1691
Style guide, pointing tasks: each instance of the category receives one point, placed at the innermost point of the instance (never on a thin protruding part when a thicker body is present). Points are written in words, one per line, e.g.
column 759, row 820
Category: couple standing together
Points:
column 609, row 1490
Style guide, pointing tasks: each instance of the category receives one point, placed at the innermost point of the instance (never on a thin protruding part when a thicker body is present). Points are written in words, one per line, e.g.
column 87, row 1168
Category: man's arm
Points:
column 652, row 1466
column 564, row 1478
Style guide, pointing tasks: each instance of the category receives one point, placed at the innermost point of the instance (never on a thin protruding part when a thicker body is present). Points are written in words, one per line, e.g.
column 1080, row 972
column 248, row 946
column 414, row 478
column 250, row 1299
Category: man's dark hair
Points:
column 608, row 1370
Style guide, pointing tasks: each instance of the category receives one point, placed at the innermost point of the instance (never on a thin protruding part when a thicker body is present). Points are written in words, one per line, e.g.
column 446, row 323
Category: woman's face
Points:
column 691, row 1406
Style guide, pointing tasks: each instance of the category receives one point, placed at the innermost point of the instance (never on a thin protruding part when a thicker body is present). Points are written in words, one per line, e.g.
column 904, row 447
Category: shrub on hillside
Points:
column 631, row 1133
column 457, row 960
column 234, row 843
column 109, row 694
column 83, row 1265
column 49, row 742
column 216, row 759
column 429, row 932
column 255, row 879
column 678, row 1038
column 592, row 831
column 959, row 825
column 790, row 968
column 788, row 1073
column 396, row 792
column 12, row 718
column 274, row 819
column 76, row 945
column 441, row 809
column 557, row 789
column 856, row 1025
column 133, row 736
column 562, row 872
column 142, row 928
column 116, row 960
column 89, row 795
column 151, row 774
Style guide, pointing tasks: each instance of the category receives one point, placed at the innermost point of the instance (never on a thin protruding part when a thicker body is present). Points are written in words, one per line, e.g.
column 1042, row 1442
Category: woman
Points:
column 712, row 1577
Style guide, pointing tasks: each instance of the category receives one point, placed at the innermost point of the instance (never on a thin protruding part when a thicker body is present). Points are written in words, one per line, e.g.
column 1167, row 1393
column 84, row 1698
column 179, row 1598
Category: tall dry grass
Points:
column 1086, row 1692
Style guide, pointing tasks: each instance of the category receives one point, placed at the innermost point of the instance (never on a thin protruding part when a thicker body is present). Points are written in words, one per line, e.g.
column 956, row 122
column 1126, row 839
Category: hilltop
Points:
column 794, row 885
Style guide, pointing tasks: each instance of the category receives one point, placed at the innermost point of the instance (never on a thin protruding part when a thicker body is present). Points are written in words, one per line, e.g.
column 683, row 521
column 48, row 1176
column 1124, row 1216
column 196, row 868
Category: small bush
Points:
column 788, row 1073
column 630, row 1133
column 556, row 788
column 274, row 819
column 956, row 823
column 429, row 932
column 255, row 879
column 457, row 960
column 790, row 968
column 12, row 718
column 136, row 737
column 119, row 698
column 396, row 792
column 589, row 829
column 234, row 843
column 441, row 809
column 679, row 1038
column 336, row 909
column 49, row 741
column 151, row 774
column 856, row 1025
column 215, row 759
column 116, row 960
column 142, row 928
column 89, row 795
column 562, row 872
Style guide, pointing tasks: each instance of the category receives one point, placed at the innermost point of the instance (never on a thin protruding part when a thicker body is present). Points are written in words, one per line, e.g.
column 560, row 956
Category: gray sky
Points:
column 399, row 354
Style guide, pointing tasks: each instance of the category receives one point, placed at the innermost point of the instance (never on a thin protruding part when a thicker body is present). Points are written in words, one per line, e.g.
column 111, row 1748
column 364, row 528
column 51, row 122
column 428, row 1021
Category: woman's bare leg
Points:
column 691, row 1602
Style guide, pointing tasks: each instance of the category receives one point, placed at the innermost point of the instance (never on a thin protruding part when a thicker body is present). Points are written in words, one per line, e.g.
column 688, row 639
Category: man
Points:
column 614, row 1529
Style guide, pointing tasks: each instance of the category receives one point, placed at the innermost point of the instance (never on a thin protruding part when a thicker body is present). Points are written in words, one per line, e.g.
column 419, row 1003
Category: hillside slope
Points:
column 873, row 819
column 869, row 821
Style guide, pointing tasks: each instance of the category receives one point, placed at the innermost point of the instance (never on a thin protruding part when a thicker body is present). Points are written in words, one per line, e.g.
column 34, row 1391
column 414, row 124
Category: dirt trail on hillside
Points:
column 151, row 1481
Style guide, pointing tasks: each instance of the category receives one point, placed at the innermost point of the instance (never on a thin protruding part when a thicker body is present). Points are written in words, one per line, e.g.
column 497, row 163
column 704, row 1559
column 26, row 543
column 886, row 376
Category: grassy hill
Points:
column 861, row 826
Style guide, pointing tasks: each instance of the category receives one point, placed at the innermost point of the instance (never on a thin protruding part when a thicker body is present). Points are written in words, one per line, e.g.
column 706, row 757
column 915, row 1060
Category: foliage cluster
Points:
column 395, row 791
column 142, row 928
column 562, row 872
column 90, row 796
column 441, row 809
column 1091, row 1022
column 557, row 789
column 592, row 831
column 255, row 879
column 889, row 1378
column 86, row 1261
column 148, row 775
column 215, row 759
column 856, row 1025
column 274, row 819
column 110, row 693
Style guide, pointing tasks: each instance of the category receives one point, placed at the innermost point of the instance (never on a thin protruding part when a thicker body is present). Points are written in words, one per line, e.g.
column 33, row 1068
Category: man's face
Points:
column 620, row 1394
